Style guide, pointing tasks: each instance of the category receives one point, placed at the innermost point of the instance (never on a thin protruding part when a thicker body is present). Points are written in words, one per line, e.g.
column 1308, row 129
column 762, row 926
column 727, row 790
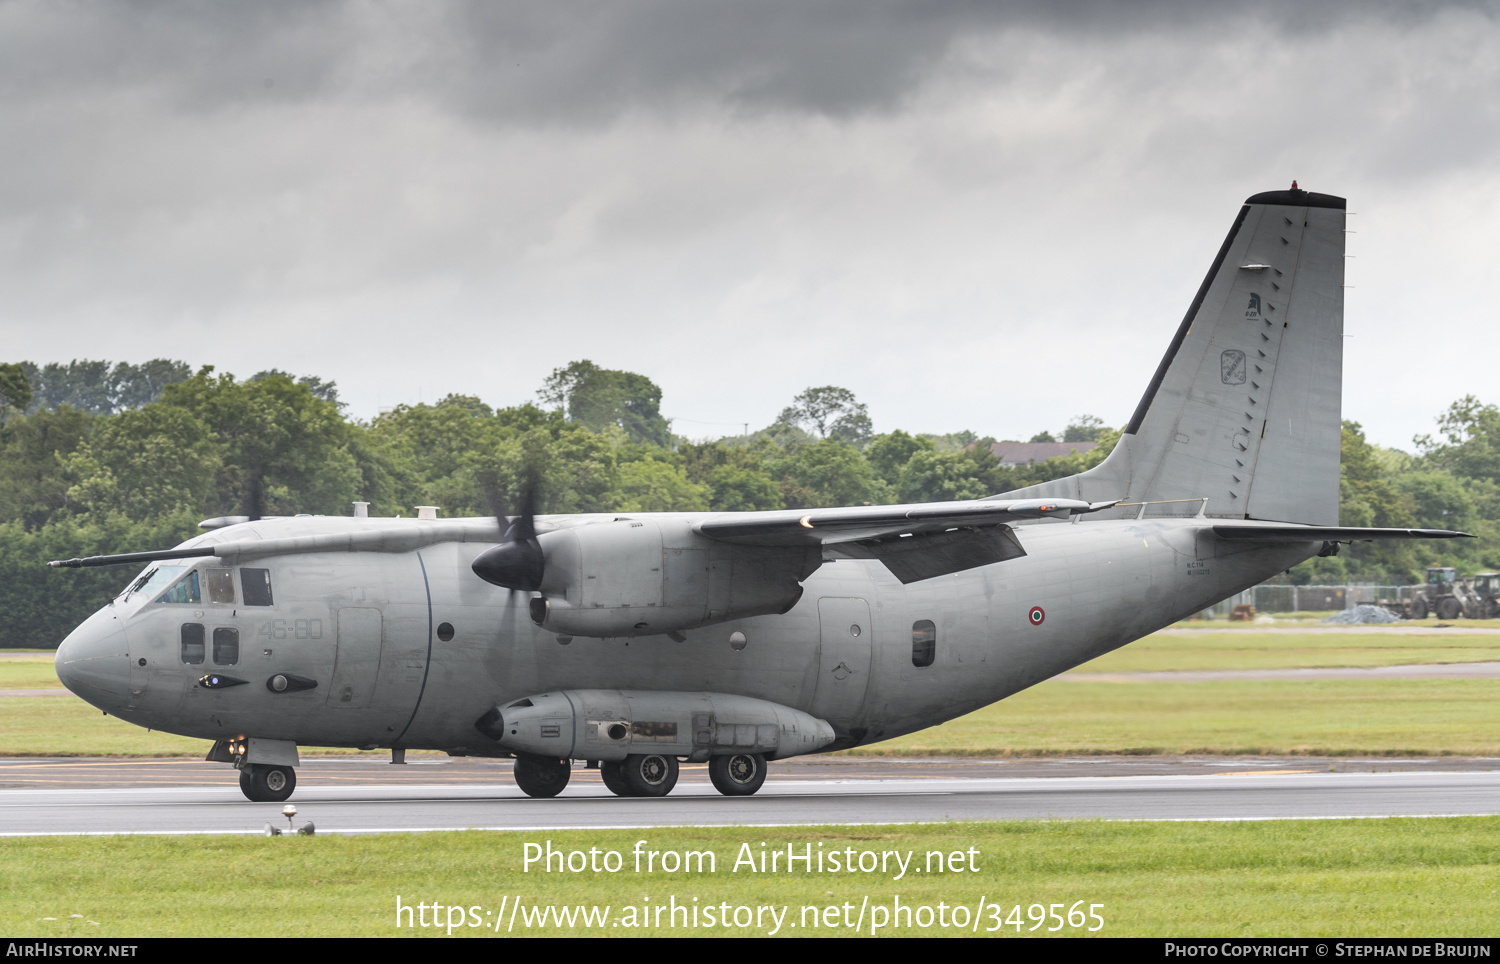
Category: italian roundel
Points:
column 1036, row 615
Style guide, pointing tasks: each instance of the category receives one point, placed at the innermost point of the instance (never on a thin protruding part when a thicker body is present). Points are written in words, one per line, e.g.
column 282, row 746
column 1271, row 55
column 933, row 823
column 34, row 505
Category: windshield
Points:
column 154, row 579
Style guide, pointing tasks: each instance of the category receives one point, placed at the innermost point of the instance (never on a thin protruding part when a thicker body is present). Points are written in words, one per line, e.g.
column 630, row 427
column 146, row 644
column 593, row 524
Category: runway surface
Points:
column 362, row 796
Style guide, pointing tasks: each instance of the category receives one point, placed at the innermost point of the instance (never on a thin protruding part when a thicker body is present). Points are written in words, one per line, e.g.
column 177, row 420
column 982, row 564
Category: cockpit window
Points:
column 154, row 579
column 184, row 590
column 220, row 585
column 257, row 583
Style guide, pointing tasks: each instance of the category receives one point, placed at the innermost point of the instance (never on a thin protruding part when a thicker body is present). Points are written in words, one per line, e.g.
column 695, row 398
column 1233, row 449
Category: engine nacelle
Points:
column 613, row 724
column 642, row 577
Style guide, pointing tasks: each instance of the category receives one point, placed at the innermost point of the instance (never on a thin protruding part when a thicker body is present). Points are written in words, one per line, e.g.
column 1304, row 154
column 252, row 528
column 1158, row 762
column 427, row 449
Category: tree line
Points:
column 98, row 457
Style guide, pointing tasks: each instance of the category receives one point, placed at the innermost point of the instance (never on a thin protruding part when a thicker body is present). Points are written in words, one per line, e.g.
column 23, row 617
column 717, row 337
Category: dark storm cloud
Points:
column 579, row 63
column 653, row 183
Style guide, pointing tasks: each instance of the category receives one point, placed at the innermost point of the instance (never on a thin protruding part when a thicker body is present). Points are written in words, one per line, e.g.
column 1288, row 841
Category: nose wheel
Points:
column 267, row 784
column 540, row 776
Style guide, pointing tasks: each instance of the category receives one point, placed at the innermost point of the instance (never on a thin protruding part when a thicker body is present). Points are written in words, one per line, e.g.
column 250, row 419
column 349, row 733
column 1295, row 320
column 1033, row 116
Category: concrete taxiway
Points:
column 359, row 795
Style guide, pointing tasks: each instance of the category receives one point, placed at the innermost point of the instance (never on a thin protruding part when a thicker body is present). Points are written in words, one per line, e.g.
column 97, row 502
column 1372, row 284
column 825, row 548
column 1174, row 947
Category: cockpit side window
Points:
column 257, row 586
column 184, row 590
column 220, row 585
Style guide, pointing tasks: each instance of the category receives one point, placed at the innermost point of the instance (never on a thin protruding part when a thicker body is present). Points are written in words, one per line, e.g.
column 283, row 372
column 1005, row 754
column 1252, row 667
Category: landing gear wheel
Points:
column 613, row 775
column 1449, row 608
column 1419, row 609
column 541, row 776
column 267, row 784
column 650, row 774
column 739, row 775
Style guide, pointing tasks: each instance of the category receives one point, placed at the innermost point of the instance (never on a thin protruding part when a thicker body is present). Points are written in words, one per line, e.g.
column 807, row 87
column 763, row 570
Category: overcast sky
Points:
column 974, row 215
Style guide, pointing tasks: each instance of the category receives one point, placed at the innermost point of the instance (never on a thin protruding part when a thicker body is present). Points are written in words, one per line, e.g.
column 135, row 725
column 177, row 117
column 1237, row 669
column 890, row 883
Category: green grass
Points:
column 1322, row 717
column 28, row 674
column 67, row 726
column 1216, row 650
column 1315, row 617
column 1394, row 877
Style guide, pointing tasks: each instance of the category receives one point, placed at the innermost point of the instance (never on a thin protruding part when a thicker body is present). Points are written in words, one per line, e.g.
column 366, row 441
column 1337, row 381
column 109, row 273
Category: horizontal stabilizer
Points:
column 1256, row 533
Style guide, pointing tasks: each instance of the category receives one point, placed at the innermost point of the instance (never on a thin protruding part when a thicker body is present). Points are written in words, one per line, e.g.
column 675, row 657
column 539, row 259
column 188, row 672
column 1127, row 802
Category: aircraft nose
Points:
column 94, row 661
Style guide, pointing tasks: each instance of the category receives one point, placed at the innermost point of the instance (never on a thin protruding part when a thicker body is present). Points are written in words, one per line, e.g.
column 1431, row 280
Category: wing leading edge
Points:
column 1252, row 532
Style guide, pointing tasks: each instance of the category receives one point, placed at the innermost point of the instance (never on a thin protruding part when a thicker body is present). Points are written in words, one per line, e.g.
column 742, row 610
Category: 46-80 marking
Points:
column 291, row 629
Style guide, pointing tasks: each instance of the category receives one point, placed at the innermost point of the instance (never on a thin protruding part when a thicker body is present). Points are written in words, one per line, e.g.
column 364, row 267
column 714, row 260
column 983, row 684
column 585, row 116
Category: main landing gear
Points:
column 642, row 774
column 739, row 775
column 263, row 783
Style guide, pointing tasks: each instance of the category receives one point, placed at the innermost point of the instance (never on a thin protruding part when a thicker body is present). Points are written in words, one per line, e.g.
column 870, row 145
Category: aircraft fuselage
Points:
column 409, row 649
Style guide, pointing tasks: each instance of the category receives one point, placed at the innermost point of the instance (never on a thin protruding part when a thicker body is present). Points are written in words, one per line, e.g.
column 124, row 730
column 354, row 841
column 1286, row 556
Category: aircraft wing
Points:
column 806, row 527
column 914, row 542
column 1253, row 532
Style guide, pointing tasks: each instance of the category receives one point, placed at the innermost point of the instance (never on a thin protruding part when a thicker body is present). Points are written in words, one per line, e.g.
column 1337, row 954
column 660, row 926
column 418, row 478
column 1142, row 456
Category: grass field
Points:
column 1323, row 717
column 1289, row 878
column 1215, row 650
column 28, row 674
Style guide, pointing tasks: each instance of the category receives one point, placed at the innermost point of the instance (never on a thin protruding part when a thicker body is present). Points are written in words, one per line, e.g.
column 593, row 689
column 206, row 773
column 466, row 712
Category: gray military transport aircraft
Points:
column 634, row 641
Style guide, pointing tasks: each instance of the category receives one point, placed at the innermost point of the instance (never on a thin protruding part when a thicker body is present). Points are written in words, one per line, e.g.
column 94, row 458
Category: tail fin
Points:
column 1244, row 410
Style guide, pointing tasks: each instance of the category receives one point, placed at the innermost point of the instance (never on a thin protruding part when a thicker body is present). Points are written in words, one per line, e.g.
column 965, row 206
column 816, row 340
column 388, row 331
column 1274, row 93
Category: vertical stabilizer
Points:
column 1244, row 409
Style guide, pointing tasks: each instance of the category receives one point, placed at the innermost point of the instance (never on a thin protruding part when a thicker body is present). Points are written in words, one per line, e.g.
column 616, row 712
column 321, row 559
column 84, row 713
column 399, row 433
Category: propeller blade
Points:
column 518, row 561
column 517, row 564
column 255, row 500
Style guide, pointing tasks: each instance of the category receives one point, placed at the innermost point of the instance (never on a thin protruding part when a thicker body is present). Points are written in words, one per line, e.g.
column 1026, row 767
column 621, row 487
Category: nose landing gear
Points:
column 540, row 776
column 263, row 783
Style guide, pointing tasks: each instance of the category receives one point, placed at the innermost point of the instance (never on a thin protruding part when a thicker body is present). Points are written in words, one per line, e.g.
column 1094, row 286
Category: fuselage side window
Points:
column 184, row 590
column 220, row 585
column 923, row 642
column 257, row 586
column 226, row 645
column 192, row 643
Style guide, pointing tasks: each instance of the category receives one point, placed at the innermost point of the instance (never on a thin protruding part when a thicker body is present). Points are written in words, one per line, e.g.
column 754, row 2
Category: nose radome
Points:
column 94, row 661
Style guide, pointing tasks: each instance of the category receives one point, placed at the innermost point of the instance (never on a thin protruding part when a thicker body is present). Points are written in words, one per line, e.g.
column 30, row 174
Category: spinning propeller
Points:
column 517, row 562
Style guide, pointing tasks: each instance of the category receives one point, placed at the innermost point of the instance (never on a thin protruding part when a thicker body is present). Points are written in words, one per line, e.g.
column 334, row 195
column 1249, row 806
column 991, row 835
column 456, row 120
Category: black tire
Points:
column 1449, row 608
column 1419, row 609
column 737, row 775
column 541, row 776
column 650, row 774
column 613, row 775
column 267, row 784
